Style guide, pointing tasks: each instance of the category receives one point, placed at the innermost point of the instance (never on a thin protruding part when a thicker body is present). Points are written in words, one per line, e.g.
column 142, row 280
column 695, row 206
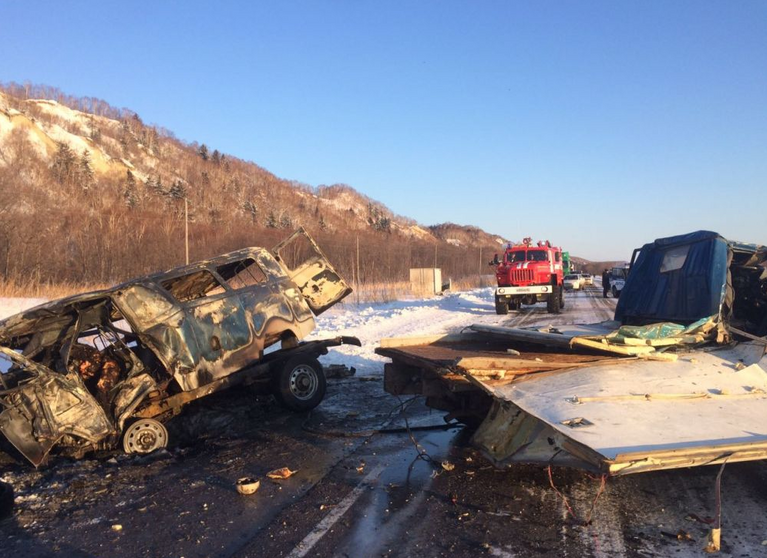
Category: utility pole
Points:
column 358, row 269
column 480, row 262
column 186, row 228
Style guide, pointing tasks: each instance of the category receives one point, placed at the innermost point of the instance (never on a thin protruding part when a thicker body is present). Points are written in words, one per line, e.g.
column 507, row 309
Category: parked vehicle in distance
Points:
column 573, row 282
column 618, row 277
column 588, row 279
column 88, row 371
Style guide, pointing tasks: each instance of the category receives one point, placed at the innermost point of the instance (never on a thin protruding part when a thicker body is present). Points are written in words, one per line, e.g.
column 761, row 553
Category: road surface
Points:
column 361, row 489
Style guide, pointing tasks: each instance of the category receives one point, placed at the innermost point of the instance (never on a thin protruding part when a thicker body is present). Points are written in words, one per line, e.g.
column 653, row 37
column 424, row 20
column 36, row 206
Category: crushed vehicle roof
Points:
column 49, row 315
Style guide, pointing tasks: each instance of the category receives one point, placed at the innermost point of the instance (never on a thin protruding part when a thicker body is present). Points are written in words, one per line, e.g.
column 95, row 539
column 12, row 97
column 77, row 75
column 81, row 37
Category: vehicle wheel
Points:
column 300, row 385
column 616, row 293
column 145, row 436
column 561, row 297
column 6, row 500
column 501, row 306
column 552, row 303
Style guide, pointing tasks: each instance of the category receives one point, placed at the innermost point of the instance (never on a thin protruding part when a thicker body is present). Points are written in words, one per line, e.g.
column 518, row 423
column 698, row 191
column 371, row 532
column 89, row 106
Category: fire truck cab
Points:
column 529, row 273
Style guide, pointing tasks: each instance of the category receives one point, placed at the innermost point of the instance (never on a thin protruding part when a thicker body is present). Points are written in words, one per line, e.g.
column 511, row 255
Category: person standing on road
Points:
column 605, row 282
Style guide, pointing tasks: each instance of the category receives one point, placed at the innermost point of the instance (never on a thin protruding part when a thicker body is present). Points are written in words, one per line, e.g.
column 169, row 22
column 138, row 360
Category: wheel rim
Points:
column 303, row 382
column 145, row 436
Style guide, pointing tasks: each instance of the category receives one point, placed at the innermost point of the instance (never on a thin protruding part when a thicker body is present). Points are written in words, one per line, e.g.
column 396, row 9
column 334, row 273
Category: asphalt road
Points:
column 362, row 490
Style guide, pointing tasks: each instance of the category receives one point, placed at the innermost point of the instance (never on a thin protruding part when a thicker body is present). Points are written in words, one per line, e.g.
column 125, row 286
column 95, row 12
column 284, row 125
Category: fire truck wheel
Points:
column 501, row 306
column 561, row 297
column 552, row 303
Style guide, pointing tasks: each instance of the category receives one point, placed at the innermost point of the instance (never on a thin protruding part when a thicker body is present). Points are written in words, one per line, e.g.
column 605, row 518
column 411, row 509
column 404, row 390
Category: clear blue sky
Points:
column 597, row 125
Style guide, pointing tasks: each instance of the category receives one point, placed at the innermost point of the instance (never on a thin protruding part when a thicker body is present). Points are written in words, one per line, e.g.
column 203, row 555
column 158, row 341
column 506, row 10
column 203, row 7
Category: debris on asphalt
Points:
column 281, row 474
column 247, row 485
column 334, row 371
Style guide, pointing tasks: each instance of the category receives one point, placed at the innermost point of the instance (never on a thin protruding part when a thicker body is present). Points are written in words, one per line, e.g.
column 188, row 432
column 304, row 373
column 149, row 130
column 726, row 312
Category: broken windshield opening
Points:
column 193, row 286
column 102, row 359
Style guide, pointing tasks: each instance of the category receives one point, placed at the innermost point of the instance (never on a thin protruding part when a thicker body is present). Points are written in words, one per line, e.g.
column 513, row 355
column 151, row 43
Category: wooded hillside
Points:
column 90, row 194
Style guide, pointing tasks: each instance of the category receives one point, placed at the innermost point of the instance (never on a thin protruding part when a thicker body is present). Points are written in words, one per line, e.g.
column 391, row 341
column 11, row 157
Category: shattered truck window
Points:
column 242, row 273
column 674, row 258
column 193, row 286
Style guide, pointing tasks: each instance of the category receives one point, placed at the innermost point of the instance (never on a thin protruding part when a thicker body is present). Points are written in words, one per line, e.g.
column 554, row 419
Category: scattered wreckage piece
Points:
column 663, row 386
column 634, row 416
column 85, row 371
column 247, row 485
column 612, row 414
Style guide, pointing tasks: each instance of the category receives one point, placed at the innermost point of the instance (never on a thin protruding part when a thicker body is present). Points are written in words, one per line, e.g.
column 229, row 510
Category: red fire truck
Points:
column 528, row 274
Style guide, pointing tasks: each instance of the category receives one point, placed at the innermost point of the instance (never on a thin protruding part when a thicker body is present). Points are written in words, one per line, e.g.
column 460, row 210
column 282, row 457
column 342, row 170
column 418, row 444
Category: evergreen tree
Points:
column 203, row 152
column 251, row 208
column 271, row 220
column 63, row 163
column 129, row 193
column 285, row 221
column 85, row 171
column 177, row 190
column 216, row 156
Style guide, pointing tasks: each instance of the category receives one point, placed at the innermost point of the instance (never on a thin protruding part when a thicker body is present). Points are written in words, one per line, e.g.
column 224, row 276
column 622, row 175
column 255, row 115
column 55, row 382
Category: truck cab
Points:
column 528, row 274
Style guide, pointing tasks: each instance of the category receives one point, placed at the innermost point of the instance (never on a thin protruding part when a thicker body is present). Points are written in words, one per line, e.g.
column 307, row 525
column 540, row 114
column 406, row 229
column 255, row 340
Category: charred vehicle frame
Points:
column 93, row 370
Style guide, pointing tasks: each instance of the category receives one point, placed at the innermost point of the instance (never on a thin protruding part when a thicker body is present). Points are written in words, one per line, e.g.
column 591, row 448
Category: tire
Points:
column 561, row 298
column 6, row 500
column 501, row 306
column 552, row 303
column 144, row 436
column 300, row 384
column 616, row 293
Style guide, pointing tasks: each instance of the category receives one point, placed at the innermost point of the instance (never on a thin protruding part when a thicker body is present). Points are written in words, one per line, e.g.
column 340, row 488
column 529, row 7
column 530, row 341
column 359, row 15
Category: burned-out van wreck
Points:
column 108, row 368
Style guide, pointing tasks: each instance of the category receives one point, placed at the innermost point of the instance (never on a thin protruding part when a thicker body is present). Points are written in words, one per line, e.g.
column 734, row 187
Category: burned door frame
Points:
column 49, row 405
column 319, row 283
column 216, row 326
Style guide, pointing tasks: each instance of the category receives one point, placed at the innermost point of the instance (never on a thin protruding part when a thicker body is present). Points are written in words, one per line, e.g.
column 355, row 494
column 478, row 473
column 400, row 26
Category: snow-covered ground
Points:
column 451, row 313
column 444, row 314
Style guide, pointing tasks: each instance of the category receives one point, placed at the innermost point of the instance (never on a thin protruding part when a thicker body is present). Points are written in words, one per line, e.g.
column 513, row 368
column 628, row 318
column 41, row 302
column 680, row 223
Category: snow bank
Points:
column 10, row 306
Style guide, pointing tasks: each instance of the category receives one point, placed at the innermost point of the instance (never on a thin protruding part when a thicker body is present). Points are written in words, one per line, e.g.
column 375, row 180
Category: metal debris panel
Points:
column 653, row 415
